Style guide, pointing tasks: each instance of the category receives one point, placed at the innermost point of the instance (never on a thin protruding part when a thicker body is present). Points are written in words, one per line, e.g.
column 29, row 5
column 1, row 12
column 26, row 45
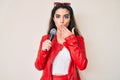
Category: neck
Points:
column 58, row 33
column 59, row 37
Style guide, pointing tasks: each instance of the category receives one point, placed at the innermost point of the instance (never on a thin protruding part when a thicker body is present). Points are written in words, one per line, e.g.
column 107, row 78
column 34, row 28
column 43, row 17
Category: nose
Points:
column 62, row 20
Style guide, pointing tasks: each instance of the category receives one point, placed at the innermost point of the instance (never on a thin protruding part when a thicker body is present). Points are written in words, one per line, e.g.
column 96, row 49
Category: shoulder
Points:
column 80, row 36
column 44, row 37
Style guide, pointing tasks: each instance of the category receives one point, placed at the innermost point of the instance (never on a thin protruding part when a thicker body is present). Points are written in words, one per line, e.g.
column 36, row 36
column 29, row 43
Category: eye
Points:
column 57, row 16
column 66, row 16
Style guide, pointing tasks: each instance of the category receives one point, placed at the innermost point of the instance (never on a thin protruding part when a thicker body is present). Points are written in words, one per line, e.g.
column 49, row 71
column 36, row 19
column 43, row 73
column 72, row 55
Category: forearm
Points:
column 77, row 51
column 41, row 56
column 41, row 60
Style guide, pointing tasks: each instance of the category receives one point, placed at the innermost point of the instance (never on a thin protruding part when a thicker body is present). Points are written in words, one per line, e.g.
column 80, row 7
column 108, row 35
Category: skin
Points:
column 62, row 20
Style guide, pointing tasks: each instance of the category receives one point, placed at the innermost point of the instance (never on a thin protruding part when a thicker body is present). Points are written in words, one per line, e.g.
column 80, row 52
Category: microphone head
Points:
column 53, row 31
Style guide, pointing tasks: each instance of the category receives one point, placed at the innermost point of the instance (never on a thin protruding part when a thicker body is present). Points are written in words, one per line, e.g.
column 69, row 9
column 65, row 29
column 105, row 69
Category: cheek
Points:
column 67, row 23
column 55, row 21
column 57, row 24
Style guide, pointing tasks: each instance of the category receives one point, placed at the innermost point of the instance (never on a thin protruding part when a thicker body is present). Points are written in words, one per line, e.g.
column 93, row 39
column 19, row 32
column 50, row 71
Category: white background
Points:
column 23, row 22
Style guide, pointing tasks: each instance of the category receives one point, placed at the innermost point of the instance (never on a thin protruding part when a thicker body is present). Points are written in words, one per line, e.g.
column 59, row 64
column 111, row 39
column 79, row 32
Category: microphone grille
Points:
column 53, row 31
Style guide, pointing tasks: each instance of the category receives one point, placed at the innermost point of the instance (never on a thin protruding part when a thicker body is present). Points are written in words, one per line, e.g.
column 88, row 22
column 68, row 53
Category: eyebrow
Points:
column 67, row 14
column 64, row 14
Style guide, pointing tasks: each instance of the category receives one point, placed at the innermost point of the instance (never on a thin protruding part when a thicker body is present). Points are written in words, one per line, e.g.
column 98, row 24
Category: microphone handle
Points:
column 51, row 37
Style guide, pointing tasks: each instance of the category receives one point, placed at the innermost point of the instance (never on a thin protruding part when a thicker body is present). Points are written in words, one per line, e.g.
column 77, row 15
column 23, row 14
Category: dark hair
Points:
column 72, row 19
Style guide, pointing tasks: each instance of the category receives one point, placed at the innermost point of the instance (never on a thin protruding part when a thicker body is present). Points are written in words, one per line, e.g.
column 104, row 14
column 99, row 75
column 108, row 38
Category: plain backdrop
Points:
column 23, row 22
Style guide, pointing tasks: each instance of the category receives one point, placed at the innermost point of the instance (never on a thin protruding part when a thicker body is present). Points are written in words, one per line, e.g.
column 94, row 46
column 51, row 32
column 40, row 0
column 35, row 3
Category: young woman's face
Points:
column 61, row 17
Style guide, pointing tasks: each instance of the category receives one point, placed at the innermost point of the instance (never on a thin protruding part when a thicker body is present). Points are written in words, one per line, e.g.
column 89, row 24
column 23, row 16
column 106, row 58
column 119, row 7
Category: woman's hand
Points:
column 65, row 32
column 47, row 44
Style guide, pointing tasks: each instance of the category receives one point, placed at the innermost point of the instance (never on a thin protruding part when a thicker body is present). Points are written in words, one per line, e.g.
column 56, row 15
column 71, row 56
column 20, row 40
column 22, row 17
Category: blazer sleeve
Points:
column 41, row 59
column 75, row 44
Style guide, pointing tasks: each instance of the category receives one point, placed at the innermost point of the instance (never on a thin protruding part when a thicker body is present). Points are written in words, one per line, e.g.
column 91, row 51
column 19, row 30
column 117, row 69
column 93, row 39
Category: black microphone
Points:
column 52, row 33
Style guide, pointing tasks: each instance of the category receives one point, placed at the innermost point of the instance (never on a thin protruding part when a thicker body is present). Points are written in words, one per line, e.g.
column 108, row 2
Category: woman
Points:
column 61, row 58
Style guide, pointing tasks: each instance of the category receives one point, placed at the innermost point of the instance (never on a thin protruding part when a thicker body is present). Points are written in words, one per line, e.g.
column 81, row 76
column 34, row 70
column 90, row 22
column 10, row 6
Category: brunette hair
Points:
column 72, row 19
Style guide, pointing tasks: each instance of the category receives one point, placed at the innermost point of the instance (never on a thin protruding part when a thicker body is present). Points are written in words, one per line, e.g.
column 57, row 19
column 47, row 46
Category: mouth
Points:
column 63, row 25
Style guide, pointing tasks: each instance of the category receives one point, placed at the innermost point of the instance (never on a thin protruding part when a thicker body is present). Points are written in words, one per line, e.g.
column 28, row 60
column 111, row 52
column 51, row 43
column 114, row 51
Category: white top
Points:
column 61, row 62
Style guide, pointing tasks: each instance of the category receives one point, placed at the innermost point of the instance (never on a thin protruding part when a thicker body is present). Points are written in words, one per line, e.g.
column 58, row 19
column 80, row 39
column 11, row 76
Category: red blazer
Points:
column 75, row 45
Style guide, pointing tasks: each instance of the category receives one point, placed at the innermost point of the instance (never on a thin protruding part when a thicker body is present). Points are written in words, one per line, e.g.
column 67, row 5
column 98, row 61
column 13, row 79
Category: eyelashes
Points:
column 66, row 16
column 57, row 16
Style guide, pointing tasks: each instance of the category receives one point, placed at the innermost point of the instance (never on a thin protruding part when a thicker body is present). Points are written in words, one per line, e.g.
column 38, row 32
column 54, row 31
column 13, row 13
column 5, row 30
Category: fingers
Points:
column 73, row 30
column 66, row 32
column 46, row 45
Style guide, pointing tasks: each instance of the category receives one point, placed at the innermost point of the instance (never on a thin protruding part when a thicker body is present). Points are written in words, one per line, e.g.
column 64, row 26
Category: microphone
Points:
column 52, row 33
